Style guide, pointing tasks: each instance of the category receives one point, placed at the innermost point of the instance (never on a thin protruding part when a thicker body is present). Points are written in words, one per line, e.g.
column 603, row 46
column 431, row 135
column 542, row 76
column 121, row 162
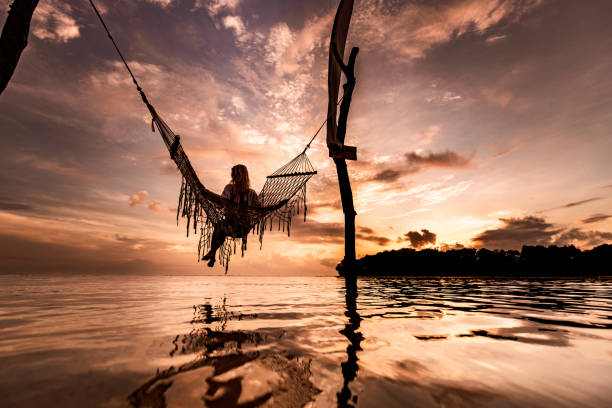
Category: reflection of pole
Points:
column 350, row 366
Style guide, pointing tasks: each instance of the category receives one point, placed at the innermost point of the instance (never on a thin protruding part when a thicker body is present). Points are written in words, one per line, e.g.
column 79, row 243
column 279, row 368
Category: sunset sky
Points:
column 477, row 122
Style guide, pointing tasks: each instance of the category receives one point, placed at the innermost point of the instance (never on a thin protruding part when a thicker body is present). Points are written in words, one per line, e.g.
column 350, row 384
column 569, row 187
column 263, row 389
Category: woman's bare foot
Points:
column 211, row 262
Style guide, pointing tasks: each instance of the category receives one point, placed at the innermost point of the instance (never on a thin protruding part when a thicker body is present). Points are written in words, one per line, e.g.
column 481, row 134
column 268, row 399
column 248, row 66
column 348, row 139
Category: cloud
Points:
column 449, row 96
column 425, row 136
column 368, row 234
column 317, row 207
column 379, row 240
column 293, row 52
column 365, row 230
column 52, row 21
column 134, row 243
column 93, row 252
column 50, row 166
column 138, row 198
column 6, row 204
column 443, row 159
column 418, row 240
column 413, row 163
column 577, row 203
column 214, row 7
column 442, row 97
column 436, row 193
column 447, row 247
column 128, row 240
column 289, row 86
column 387, row 175
column 154, row 205
column 300, row 55
column 314, row 232
column 574, row 204
column 531, row 230
column 516, row 232
column 279, row 40
column 173, row 89
column 578, row 237
column 596, row 218
column 236, row 24
column 388, row 189
column 497, row 97
column 53, row 167
column 161, row 3
column 505, row 152
column 410, row 31
column 494, row 39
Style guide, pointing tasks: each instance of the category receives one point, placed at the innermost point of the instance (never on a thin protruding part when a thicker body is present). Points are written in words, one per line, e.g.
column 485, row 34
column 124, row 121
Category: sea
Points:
column 120, row 341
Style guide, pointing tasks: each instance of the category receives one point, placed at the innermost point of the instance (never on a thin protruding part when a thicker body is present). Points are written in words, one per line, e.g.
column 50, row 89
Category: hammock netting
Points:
column 282, row 197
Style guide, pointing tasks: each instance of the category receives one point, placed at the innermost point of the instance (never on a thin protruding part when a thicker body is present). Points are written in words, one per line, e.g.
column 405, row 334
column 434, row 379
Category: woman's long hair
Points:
column 240, row 179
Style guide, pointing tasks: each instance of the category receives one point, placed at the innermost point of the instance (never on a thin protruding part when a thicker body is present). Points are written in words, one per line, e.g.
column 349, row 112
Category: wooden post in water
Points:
column 341, row 154
column 336, row 132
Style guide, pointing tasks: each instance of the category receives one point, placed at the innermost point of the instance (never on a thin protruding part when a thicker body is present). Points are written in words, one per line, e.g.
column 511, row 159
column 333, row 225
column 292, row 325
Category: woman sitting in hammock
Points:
column 236, row 225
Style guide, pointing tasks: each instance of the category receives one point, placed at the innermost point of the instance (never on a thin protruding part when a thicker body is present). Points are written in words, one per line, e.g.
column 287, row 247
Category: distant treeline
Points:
column 530, row 261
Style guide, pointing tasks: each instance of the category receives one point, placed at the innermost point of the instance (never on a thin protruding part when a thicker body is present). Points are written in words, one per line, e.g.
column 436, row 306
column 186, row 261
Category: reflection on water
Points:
column 229, row 369
column 350, row 366
column 236, row 341
column 464, row 342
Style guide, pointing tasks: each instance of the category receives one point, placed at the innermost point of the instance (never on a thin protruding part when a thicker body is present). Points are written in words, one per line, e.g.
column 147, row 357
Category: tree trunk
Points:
column 346, row 193
column 14, row 38
column 346, row 196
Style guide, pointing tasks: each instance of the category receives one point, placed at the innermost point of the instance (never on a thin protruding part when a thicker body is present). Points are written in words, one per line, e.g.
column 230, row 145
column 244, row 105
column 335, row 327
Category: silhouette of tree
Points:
column 530, row 261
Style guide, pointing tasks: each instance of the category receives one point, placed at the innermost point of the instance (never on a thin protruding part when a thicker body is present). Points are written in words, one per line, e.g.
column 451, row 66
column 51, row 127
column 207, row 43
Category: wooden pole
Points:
column 346, row 193
column 14, row 38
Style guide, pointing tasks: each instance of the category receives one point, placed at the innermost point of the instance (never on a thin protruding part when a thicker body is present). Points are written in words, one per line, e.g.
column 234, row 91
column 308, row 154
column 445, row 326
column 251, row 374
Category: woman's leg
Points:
column 218, row 238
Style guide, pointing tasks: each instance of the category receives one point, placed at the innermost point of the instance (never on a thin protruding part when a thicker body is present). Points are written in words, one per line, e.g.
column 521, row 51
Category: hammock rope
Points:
column 282, row 196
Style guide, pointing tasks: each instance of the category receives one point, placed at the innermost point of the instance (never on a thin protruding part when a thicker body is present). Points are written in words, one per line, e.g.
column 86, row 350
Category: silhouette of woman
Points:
column 235, row 225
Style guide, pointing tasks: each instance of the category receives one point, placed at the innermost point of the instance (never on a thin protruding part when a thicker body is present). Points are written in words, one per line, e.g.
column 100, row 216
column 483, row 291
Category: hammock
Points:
column 282, row 196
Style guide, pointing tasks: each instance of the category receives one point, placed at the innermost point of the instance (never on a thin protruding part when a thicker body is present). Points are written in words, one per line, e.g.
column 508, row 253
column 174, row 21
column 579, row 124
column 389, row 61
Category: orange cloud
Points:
column 416, row 28
column 596, row 218
column 155, row 206
column 138, row 198
column 499, row 98
column 442, row 159
column 418, row 240
column 52, row 21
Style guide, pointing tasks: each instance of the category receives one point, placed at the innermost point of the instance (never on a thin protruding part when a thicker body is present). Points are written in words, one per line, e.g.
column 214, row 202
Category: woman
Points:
column 236, row 225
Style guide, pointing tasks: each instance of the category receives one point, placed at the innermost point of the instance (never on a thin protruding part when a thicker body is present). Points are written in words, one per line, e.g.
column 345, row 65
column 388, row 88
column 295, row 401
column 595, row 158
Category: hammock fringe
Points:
column 282, row 196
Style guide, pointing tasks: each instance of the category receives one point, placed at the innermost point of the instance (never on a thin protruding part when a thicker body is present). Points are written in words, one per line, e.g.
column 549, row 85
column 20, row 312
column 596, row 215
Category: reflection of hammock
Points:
column 282, row 196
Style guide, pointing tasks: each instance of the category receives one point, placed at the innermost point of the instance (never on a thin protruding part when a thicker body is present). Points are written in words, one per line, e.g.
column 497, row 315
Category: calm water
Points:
column 93, row 341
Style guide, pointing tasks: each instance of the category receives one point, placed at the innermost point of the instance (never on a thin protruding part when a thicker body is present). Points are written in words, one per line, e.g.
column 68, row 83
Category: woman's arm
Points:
column 255, row 199
column 227, row 192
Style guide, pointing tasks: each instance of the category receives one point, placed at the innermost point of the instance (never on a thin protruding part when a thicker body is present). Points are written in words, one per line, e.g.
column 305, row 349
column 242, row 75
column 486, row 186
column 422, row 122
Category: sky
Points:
column 478, row 123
